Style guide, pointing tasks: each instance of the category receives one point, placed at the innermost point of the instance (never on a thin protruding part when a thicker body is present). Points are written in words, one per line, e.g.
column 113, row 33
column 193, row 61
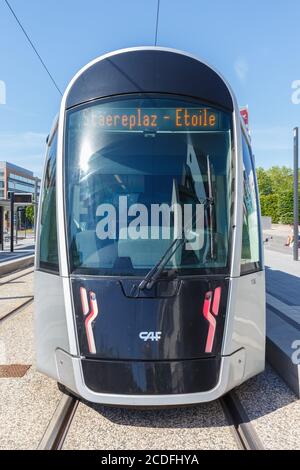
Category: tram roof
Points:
column 148, row 70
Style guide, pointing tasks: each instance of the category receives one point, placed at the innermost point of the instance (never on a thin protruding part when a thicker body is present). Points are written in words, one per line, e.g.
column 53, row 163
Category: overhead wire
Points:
column 157, row 19
column 33, row 46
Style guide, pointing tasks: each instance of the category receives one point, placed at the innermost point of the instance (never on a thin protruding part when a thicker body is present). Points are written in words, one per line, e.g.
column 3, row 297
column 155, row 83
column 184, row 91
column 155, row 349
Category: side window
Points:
column 250, row 259
column 48, row 229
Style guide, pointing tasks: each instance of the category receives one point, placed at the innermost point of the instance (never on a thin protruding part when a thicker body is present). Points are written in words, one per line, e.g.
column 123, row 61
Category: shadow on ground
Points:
column 284, row 286
column 260, row 395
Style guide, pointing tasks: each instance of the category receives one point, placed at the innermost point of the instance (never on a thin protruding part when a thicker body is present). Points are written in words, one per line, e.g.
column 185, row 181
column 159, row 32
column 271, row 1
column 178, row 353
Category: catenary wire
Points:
column 157, row 18
column 33, row 47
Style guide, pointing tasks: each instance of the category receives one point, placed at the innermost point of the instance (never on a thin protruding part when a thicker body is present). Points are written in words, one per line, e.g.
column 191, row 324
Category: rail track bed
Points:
column 16, row 292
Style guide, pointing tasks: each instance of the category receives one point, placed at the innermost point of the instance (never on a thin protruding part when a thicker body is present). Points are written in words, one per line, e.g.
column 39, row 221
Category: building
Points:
column 17, row 179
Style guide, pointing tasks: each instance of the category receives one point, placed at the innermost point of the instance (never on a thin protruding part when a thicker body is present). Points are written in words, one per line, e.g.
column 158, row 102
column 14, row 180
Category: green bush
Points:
column 276, row 193
column 264, row 182
column 269, row 206
column 29, row 212
column 286, row 207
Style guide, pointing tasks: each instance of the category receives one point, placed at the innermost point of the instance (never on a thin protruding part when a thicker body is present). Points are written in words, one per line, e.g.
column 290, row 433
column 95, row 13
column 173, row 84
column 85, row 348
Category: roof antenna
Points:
column 157, row 17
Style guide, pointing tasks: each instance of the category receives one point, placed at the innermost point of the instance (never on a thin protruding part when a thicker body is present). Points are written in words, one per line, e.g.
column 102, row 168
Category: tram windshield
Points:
column 142, row 172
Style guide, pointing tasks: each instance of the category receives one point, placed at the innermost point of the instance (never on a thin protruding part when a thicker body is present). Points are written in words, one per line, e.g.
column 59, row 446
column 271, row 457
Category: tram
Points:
column 149, row 274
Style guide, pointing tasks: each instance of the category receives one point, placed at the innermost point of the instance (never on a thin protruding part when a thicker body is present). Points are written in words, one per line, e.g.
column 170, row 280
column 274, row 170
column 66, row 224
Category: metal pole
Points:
column 12, row 200
column 1, row 229
column 17, row 225
column 296, row 194
column 35, row 205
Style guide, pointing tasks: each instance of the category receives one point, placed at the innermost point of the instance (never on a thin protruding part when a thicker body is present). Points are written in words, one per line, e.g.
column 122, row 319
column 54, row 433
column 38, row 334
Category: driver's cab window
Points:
column 48, row 226
column 250, row 256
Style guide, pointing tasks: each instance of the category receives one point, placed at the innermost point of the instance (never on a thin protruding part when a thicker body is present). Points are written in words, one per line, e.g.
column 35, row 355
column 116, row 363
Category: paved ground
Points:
column 283, row 277
column 28, row 403
column 24, row 247
column 276, row 238
column 15, row 292
column 273, row 409
column 198, row 427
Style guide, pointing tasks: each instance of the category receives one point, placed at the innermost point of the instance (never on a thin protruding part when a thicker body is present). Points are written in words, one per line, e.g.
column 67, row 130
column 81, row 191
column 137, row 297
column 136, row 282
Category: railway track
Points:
column 59, row 425
column 17, row 309
column 29, row 298
column 238, row 421
column 244, row 433
column 16, row 277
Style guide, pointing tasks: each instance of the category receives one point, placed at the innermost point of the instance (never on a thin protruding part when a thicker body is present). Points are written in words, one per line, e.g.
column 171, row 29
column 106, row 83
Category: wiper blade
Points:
column 154, row 273
column 211, row 209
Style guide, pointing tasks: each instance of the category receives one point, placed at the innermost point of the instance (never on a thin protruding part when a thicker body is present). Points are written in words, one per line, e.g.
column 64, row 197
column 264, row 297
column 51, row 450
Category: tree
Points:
column 269, row 206
column 286, row 207
column 276, row 193
column 264, row 181
column 281, row 178
column 29, row 212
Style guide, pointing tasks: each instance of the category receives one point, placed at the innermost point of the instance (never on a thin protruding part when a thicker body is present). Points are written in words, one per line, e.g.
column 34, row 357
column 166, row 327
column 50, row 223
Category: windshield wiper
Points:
column 211, row 209
column 154, row 273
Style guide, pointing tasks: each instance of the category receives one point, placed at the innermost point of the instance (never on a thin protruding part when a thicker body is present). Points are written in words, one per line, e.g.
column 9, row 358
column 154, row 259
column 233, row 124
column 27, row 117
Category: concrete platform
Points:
column 16, row 263
column 283, row 316
column 21, row 258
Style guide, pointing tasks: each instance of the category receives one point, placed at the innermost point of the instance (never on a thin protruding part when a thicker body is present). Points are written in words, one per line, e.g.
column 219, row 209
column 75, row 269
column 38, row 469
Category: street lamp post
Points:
column 12, row 210
column 296, row 194
column 1, row 228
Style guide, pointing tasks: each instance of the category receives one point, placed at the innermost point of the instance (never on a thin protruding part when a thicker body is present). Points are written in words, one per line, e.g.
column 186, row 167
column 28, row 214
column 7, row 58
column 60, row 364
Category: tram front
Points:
column 148, row 161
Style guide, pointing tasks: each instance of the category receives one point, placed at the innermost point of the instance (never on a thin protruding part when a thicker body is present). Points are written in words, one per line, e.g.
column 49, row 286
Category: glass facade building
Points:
column 17, row 179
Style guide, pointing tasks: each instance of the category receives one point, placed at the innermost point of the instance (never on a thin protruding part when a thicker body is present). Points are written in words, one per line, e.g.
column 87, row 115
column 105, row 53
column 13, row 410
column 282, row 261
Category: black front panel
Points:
column 151, row 377
column 161, row 324
column 150, row 71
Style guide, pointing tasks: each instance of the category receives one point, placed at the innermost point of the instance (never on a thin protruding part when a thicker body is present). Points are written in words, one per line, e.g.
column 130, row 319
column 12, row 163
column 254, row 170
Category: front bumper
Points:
column 151, row 377
column 71, row 374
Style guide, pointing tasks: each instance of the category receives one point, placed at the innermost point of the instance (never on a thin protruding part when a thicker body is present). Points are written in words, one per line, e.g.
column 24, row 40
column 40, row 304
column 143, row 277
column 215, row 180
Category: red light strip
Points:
column 209, row 316
column 216, row 302
column 88, row 323
column 84, row 301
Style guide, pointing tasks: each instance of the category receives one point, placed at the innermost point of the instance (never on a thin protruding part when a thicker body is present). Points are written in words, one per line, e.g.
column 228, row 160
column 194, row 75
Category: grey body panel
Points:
column 246, row 321
column 50, row 321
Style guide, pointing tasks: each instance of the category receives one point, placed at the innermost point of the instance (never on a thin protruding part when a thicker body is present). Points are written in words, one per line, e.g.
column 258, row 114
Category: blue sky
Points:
column 255, row 45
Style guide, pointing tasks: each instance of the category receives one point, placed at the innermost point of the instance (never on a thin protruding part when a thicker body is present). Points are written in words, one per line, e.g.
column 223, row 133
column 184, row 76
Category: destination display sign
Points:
column 152, row 119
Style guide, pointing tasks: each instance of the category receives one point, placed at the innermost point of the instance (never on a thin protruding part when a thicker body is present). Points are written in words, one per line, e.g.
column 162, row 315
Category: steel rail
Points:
column 243, row 430
column 58, row 427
